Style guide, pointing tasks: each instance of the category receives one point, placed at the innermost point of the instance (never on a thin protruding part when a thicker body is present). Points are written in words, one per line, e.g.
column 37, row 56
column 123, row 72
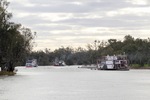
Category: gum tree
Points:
column 15, row 40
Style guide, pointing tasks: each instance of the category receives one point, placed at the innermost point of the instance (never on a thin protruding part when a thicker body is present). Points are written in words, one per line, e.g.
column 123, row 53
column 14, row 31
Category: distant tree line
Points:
column 15, row 40
column 137, row 50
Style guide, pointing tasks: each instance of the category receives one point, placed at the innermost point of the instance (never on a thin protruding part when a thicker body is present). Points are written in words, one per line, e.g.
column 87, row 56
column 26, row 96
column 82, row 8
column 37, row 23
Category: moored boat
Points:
column 31, row 63
column 118, row 62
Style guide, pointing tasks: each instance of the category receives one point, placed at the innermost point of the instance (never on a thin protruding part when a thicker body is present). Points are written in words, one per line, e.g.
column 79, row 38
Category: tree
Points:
column 15, row 40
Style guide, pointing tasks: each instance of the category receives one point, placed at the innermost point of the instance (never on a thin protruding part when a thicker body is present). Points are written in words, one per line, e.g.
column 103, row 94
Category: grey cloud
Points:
column 30, row 20
column 125, row 21
column 110, row 4
column 67, row 7
column 133, row 17
column 51, row 27
column 75, row 34
column 105, row 22
column 53, row 8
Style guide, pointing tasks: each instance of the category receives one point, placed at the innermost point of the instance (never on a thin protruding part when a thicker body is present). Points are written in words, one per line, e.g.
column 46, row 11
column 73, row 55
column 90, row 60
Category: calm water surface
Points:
column 72, row 83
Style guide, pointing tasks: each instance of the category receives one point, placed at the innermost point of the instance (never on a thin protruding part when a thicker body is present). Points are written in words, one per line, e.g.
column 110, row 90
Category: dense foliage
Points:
column 15, row 40
column 137, row 50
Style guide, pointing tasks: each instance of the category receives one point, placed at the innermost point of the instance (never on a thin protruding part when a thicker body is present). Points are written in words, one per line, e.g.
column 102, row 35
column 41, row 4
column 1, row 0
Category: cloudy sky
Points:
column 79, row 22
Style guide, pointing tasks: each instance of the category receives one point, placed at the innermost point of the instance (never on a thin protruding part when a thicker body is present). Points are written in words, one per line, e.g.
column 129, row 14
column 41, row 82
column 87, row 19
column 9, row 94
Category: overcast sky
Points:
column 79, row 22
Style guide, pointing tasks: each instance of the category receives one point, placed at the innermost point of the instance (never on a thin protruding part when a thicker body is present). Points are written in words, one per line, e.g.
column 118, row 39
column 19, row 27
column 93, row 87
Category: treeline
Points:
column 15, row 40
column 137, row 50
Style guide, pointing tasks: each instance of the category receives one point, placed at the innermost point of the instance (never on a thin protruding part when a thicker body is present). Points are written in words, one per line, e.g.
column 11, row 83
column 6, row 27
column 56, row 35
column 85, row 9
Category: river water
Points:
column 73, row 83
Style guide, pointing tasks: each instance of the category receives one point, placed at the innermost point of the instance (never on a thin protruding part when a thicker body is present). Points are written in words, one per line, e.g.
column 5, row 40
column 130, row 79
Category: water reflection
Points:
column 65, row 83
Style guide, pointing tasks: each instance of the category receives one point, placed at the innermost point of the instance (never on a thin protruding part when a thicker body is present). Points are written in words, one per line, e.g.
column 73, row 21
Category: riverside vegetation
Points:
column 137, row 51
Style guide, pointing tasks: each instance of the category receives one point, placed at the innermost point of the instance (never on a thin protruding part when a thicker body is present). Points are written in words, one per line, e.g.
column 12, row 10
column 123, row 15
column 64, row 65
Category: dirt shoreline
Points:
column 7, row 73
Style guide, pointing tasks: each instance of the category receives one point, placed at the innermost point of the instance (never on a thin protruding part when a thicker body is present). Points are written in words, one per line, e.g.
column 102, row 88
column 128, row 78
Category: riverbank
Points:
column 7, row 73
column 139, row 67
column 93, row 66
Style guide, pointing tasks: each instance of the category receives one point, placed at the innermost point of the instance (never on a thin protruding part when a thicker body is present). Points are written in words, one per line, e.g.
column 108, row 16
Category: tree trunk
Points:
column 10, row 67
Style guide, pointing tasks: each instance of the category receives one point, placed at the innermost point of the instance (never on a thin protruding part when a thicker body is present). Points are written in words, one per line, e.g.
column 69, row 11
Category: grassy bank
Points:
column 137, row 66
column 7, row 73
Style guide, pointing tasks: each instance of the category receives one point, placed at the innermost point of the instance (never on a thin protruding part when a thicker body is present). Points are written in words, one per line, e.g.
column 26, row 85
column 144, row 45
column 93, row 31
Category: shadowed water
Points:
column 72, row 83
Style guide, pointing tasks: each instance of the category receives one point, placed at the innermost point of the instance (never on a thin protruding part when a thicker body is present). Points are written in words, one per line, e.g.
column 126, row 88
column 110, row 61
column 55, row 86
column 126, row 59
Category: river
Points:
column 73, row 83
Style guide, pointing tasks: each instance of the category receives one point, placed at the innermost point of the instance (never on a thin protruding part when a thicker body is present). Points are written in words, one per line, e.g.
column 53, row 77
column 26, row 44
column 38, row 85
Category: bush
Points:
column 146, row 65
column 135, row 66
